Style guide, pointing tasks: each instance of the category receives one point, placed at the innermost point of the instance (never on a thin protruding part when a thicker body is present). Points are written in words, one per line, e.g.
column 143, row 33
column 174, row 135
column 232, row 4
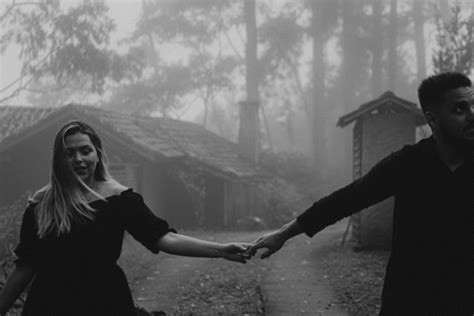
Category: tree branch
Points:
column 13, row 5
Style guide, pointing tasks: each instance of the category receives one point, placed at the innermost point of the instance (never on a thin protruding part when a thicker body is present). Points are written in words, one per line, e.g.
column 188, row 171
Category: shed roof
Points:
column 388, row 100
column 155, row 138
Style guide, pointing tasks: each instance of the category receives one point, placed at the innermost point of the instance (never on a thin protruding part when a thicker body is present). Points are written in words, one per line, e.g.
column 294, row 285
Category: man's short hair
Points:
column 432, row 90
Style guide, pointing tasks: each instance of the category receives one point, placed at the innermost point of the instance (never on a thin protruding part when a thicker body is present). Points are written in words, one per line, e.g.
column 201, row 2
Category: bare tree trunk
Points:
column 349, row 70
column 392, row 46
column 151, row 41
column 444, row 10
column 349, row 57
column 418, row 6
column 267, row 129
column 377, row 48
column 318, row 138
column 249, row 130
column 206, row 107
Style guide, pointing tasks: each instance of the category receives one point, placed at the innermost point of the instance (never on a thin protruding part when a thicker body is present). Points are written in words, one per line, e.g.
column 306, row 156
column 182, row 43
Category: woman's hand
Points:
column 237, row 252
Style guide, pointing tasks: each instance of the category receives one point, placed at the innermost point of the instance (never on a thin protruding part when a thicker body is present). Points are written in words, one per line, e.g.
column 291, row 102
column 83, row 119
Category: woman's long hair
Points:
column 62, row 202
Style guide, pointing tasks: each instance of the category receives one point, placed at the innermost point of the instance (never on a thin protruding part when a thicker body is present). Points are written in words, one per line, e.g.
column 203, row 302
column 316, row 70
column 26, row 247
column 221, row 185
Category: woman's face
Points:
column 82, row 156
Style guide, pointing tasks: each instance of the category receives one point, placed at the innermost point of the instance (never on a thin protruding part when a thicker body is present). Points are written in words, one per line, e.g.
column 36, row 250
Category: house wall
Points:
column 28, row 166
column 381, row 135
column 153, row 188
column 241, row 200
column 179, row 209
column 147, row 176
column 214, row 202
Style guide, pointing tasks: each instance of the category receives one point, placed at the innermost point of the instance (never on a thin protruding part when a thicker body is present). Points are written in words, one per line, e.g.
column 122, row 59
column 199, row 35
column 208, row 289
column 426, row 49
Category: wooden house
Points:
column 187, row 174
column 381, row 127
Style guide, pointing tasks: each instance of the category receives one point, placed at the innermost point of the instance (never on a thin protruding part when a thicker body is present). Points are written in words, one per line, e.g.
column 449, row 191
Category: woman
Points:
column 71, row 235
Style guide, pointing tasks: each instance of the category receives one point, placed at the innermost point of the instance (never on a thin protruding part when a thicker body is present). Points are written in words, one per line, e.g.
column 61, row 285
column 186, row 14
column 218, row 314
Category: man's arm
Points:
column 16, row 283
column 377, row 185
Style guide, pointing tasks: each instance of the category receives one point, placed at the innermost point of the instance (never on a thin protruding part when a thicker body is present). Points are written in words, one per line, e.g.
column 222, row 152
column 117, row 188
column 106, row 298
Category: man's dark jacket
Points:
column 430, row 270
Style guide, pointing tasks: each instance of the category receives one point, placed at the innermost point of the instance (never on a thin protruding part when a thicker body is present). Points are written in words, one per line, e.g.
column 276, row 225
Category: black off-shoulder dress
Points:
column 77, row 273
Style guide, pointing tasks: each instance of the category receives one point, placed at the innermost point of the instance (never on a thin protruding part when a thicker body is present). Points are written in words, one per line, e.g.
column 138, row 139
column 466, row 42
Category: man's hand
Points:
column 237, row 252
column 272, row 242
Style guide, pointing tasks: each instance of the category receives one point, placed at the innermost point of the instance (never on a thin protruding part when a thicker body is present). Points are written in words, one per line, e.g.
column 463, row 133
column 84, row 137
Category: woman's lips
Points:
column 80, row 170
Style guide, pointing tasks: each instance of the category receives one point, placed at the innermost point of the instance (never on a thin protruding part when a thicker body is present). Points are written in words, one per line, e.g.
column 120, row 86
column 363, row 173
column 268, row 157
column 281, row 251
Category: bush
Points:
column 281, row 201
column 295, row 168
column 291, row 190
column 10, row 222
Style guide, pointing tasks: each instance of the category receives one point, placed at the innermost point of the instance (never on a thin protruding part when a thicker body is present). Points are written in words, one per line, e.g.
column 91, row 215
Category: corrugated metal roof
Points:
column 167, row 137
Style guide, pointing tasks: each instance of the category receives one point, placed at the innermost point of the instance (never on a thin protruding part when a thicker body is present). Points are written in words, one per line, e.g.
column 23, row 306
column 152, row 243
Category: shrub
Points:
column 295, row 168
column 281, row 201
column 291, row 190
column 10, row 222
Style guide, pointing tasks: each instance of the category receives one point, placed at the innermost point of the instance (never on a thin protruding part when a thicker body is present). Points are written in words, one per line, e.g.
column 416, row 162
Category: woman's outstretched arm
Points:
column 16, row 283
column 183, row 245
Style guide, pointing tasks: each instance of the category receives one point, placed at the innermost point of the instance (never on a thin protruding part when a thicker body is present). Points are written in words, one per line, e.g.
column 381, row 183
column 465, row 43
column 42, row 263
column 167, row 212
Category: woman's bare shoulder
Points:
column 38, row 195
column 114, row 187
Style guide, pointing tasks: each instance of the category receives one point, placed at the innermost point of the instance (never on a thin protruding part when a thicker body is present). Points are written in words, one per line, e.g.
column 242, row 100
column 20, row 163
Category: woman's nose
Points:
column 77, row 157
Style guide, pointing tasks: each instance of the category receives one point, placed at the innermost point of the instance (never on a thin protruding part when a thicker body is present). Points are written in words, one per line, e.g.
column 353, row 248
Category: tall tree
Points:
column 419, row 22
column 392, row 46
column 349, row 66
column 61, row 44
column 319, row 141
column 249, row 131
column 194, row 28
column 455, row 39
column 350, row 44
column 377, row 47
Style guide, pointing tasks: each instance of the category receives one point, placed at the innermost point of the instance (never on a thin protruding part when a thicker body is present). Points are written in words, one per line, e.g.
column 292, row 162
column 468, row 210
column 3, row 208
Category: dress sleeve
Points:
column 141, row 223
column 378, row 184
column 25, row 250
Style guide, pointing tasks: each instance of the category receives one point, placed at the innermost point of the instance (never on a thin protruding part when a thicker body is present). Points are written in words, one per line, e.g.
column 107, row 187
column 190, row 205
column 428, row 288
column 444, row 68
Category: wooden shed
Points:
column 186, row 174
column 381, row 127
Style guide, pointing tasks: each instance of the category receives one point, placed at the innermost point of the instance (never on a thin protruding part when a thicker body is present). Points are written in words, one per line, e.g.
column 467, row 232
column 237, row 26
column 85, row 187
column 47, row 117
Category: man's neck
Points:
column 450, row 154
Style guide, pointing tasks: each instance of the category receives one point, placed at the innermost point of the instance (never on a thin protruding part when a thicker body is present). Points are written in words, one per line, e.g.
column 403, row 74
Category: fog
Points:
column 274, row 76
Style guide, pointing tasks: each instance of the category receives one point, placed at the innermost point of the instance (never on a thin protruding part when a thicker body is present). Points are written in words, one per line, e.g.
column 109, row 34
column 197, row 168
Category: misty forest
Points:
column 231, row 117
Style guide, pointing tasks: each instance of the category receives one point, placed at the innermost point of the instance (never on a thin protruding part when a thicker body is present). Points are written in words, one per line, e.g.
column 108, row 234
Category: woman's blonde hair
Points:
column 62, row 202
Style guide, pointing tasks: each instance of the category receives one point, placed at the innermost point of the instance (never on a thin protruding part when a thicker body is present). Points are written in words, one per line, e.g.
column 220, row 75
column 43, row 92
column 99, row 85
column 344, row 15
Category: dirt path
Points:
column 295, row 283
column 169, row 279
column 291, row 281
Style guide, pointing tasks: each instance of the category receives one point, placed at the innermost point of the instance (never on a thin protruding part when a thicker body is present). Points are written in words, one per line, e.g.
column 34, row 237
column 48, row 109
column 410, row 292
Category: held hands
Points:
column 272, row 241
column 241, row 252
column 237, row 252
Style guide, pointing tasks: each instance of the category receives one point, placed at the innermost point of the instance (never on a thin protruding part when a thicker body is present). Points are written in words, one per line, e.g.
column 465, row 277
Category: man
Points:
column 431, row 266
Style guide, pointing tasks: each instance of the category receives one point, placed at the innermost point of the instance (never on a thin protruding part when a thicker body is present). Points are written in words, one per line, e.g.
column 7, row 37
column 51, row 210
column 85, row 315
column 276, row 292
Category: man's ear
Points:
column 432, row 119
